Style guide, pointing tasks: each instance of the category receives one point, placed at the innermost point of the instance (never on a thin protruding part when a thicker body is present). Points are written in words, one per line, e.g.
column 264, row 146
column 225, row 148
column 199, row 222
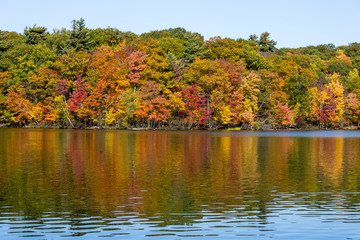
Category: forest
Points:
column 173, row 79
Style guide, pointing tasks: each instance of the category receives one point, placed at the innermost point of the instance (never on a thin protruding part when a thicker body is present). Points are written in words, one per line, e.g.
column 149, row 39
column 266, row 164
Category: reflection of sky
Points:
column 284, row 220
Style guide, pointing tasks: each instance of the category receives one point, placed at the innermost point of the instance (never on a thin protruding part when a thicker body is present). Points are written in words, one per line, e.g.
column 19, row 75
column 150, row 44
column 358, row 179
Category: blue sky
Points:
column 290, row 23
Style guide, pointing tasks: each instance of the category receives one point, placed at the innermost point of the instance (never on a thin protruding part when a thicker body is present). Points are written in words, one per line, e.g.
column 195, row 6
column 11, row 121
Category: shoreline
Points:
column 309, row 128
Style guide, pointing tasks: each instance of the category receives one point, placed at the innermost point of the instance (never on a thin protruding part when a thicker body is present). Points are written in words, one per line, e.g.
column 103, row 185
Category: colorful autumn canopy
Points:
column 172, row 78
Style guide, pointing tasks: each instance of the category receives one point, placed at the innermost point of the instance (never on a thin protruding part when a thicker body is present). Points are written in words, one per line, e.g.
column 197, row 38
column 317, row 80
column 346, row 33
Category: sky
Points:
column 292, row 23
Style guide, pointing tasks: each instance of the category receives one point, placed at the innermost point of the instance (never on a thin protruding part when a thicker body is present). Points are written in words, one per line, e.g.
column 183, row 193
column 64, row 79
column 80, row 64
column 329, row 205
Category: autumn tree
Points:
column 226, row 48
column 328, row 102
column 135, row 65
column 352, row 112
column 249, row 89
column 196, row 113
column 272, row 101
column 299, row 77
column 21, row 107
column 157, row 65
column 207, row 74
column 153, row 108
column 337, row 89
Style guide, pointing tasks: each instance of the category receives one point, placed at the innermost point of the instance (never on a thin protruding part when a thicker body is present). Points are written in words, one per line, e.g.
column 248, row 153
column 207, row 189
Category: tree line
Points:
column 173, row 78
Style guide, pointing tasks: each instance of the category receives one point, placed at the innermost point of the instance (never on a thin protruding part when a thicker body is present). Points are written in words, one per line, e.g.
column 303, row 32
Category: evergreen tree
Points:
column 35, row 35
column 254, row 38
column 80, row 36
column 194, row 46
column 4, row 44
column 266, row 44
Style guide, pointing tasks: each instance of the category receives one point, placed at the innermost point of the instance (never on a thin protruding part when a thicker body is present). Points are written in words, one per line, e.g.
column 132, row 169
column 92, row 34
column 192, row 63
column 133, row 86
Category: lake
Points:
column 93, row 184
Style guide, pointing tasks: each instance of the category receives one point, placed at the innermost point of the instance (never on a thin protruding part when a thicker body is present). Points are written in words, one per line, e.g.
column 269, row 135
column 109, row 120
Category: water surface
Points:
column 89, row 184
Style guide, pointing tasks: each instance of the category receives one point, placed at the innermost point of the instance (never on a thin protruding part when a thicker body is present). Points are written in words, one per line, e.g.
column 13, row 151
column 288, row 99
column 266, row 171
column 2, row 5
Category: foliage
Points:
column 35, row 35
column 80, row 36
column 196, row 110
column 105, row 77
column 266, row 44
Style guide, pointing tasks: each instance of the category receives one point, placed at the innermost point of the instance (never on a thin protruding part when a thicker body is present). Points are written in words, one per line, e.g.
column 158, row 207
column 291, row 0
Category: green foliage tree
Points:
column 340, row 67
column 266, row 44
column 173, row 45
column 353, row 51
column 59, row 41
column 109, row 37
column 178, row 33
column 352, row 82
column 4, row 43
column 194, row 47
column 35, row 35
column 324, row 51
column 80, row 38
column 11, row 46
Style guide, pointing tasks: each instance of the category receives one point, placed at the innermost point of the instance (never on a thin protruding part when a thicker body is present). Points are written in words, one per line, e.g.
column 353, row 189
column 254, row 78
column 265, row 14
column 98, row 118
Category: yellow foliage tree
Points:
column 338, row 90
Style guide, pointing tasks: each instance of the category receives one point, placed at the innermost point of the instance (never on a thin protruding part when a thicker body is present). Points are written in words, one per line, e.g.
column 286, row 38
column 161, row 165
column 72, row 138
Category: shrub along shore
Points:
column 173, row 79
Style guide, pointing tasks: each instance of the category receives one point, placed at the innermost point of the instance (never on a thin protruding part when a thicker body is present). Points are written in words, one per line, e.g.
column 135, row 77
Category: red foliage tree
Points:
column 196, row 111
column 76, row 98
